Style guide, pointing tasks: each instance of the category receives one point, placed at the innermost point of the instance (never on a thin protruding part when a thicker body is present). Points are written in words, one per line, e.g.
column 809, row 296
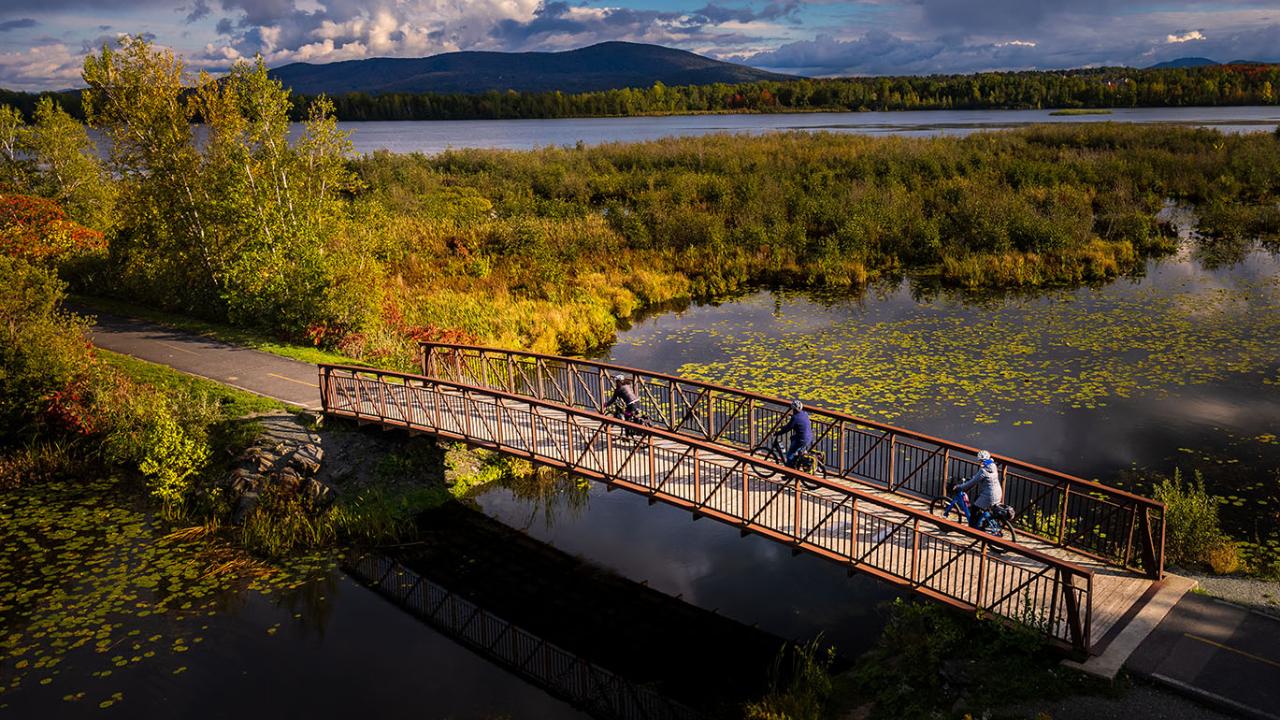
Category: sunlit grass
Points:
column 234, row 403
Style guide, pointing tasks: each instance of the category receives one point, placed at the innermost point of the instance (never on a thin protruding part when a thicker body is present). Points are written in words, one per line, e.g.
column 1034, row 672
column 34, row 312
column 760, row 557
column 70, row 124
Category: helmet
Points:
column 797, row 406
column 619, row 377
column 984, row 456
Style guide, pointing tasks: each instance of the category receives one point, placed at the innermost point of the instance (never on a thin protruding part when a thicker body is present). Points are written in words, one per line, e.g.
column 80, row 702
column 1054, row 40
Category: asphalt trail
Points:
column 277, row 377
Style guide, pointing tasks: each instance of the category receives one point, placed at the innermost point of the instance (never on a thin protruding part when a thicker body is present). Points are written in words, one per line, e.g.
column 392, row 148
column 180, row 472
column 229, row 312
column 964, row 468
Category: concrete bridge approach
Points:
column 1087, row 555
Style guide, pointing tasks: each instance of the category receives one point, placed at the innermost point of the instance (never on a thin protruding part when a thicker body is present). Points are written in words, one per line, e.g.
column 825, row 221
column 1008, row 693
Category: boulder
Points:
column 245, row 505
column 318, row 494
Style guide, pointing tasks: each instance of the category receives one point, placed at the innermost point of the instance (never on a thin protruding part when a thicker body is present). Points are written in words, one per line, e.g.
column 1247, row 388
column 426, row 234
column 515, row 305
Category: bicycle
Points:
column 996, row 521
column 638, row 417
column 809, row 462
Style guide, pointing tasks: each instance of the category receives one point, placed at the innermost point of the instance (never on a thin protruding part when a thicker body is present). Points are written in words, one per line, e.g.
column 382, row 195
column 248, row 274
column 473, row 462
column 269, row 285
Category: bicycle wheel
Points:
column 938, row 507
column 764, row 453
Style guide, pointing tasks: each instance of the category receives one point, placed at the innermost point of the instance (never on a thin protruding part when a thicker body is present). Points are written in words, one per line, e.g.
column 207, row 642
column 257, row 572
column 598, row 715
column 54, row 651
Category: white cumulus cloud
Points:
column 1185, row 37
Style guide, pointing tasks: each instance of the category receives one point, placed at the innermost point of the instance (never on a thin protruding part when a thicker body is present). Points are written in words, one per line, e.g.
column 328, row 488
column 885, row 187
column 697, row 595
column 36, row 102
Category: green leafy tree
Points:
column 68, row 169
column 237, row 223
column 15, row 168
column 164, row 248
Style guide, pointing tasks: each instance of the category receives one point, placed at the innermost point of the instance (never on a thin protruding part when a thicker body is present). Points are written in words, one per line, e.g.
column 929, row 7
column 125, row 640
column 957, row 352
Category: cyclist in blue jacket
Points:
column 801, row 430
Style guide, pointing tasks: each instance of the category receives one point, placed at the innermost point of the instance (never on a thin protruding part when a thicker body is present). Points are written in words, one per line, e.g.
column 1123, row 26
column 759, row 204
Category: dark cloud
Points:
column 714, row 14
column 19, row 24
column 875, row 52
column 549, row 18
column 198, row 11
column 559, row 20
column 264, row 12
column 986, row 17
column 51, row 6
column 881, row 53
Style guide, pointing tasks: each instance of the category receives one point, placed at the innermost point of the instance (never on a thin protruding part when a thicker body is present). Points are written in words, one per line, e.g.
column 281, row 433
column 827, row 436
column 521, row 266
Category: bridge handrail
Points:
column 1067, row 572
column 1065, row 518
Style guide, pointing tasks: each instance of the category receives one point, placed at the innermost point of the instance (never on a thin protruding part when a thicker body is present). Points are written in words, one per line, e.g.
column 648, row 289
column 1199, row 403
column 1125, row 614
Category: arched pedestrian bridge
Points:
column 1086, row 553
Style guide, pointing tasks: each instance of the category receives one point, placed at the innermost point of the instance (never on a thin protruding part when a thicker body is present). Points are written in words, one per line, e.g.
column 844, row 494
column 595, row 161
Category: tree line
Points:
column 1103, row 88
column 1116, row 87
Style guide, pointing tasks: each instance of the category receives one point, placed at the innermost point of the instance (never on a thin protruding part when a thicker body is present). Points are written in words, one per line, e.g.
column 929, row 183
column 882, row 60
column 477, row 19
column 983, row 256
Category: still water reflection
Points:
column 437, row 135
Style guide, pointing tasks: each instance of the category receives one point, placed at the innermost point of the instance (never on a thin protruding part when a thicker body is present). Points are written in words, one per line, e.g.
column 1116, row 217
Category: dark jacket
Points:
column 624, row 393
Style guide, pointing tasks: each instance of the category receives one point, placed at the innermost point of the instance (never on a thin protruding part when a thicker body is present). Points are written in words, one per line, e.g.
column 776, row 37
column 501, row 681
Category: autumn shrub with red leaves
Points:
column 394, row 342
column 37, row 230
column 72, row 409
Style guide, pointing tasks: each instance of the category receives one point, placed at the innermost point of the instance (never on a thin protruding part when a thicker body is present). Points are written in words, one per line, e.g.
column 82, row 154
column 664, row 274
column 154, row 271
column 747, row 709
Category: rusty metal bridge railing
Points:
column 1104, row 523
column 838, row 521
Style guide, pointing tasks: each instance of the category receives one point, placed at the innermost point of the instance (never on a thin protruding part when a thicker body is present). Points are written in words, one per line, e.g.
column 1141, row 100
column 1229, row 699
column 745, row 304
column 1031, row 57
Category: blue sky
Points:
column 43, row 42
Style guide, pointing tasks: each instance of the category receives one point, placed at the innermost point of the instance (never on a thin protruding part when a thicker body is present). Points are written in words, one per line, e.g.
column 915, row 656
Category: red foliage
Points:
column 357, row 344
column 71, row 408
column 424, row 333
column 35, row 228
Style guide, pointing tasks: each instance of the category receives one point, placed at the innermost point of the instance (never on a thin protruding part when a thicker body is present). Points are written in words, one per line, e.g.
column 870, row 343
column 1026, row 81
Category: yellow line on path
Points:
column 179, row 349
column 300, row 382
column 1228, row 648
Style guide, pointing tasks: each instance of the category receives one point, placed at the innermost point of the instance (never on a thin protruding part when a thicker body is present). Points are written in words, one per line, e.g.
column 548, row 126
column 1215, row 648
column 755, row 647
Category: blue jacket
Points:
column 800, row 427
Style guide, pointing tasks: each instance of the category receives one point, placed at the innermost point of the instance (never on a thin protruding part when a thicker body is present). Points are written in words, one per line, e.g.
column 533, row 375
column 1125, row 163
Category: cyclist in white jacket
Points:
column 987, row 483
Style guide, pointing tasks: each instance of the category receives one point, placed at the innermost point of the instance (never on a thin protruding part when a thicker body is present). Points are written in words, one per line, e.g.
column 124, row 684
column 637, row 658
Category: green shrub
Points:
column 44, row 359
column 1224, row 557
column 53, row 386
column 284, row 523
column 799, row 684
column 1192, row 529
column 164, row 437
column 931, row 661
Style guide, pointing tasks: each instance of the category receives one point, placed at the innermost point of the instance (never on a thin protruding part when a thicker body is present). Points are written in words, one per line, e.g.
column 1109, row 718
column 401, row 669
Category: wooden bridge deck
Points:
column 1073, row 598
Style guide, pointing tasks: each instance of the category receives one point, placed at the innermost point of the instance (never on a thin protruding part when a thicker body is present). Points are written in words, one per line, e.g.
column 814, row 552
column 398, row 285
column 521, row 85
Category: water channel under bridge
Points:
column 1085, row 555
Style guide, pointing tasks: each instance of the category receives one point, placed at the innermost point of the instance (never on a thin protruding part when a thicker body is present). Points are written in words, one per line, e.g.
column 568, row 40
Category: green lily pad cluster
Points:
column 1069, row 349
column 92, row 586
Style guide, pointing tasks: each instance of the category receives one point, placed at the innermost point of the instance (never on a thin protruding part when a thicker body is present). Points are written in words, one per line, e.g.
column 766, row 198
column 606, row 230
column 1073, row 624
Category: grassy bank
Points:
column 550, row 248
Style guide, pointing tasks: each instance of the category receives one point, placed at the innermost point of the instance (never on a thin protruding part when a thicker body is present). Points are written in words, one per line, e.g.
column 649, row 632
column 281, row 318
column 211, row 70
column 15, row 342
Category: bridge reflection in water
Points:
column 1092, row 552
column 569, row 676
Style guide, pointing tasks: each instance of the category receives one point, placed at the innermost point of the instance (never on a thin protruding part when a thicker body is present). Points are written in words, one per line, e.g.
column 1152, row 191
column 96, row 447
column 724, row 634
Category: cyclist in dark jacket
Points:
column 624, row 394
column 801, row 430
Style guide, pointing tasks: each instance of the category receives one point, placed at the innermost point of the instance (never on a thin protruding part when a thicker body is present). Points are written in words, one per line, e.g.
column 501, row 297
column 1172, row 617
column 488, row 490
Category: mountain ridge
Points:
column 603, row 66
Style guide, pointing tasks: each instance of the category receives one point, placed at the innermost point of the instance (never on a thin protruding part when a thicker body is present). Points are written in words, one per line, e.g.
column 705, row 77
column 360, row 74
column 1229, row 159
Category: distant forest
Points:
column 1244, row 84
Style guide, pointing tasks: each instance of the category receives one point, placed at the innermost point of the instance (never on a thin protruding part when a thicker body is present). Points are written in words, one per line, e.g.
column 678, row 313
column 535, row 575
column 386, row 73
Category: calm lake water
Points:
column 437, row 135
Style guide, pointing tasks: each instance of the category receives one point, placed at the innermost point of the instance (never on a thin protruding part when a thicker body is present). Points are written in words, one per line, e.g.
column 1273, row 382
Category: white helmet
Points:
column 984, row 456
column 619, row 377
column 797, row 406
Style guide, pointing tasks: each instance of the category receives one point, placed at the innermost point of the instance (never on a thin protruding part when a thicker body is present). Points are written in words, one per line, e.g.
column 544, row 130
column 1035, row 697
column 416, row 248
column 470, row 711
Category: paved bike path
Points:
column 1222, row 653
column 276, row 377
